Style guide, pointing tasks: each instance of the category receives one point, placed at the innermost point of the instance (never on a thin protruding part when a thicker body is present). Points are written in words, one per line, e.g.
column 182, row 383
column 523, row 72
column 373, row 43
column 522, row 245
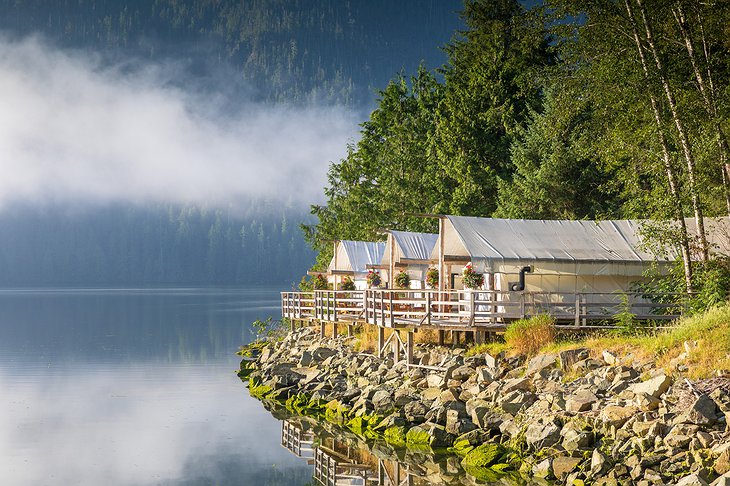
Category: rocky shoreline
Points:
column 575, row 417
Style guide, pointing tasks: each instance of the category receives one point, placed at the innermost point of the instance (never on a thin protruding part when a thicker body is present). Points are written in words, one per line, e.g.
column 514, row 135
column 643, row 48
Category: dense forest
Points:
column 573, row 109
column 132, row 245
column 293, row 51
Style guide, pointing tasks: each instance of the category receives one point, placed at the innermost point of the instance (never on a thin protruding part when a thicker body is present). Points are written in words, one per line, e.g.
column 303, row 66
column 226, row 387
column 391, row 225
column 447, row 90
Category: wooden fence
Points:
column 474, row 309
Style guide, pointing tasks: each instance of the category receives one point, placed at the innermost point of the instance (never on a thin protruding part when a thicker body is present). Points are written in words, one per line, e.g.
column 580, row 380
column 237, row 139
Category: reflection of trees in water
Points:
column 169, row 325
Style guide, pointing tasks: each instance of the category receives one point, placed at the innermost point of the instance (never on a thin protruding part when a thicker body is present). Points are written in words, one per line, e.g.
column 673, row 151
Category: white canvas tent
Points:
column 351, row 258
column 410, row 252
column 564, row 255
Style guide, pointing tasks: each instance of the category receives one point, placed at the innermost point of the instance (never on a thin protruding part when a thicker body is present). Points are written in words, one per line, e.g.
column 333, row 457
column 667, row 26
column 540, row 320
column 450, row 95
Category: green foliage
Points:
column 347, row 284
column 269, row 329
column 319, row 282
column 417, row 436
column 403, row 280
column 625, row 320
column 395, row 436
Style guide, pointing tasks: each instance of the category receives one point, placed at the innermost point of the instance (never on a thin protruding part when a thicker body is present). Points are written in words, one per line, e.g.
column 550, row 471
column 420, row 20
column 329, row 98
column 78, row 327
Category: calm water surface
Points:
column 134, row 387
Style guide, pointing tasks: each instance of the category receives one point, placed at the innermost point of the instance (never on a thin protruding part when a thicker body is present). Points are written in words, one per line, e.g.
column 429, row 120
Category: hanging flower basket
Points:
column 320, row 283
column 347, row 284
column 373, row 279
column 403, row 280
column 471, row 279
column 432, row 278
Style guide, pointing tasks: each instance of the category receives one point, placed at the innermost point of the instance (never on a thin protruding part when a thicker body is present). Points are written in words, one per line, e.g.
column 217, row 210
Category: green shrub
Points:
column 347, row 284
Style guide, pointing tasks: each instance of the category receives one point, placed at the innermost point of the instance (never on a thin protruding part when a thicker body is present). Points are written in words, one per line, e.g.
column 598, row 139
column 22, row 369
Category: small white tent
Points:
column 410, row 252
column 351, row 258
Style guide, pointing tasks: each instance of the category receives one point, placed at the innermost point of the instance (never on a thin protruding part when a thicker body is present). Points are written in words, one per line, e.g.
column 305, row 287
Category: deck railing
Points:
column 483, row 308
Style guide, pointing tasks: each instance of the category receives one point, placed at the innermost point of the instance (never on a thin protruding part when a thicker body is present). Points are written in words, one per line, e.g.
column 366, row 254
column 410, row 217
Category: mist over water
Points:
column 77, row 129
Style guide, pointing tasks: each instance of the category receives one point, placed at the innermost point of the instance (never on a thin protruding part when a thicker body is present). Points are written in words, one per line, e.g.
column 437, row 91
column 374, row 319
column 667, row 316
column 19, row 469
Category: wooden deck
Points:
column 472, row 310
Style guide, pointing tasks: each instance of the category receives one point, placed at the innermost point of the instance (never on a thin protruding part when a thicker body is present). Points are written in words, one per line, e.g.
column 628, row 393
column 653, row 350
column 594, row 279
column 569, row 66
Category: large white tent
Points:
column 352, row 258
column 410, row 252
column 563, row 255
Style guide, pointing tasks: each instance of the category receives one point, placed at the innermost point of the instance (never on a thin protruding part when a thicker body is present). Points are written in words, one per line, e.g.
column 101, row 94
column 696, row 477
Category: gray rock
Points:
column 514, row 401
column 540, row 363
column 610, row 358
column 462, row 373
column 577, row 439
column 571, row 356
column 692, row 480
column 540, row 436
column 615, row 416
column 415, row 412
column 580, row 401
column 702, row 412
column 435, row 380
column 517, row 384
column 486, row 419
column 654, row 386
column 542, row 469
column 382, row 401
column 599, row 463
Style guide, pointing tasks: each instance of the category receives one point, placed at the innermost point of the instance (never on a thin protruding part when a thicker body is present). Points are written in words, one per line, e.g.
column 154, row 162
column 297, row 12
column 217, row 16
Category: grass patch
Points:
column 529, row 336
column 490, row 348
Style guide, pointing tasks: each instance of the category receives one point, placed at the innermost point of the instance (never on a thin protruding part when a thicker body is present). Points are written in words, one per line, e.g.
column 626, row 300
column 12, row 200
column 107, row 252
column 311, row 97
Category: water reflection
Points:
column 339, row 458
column 134, row 387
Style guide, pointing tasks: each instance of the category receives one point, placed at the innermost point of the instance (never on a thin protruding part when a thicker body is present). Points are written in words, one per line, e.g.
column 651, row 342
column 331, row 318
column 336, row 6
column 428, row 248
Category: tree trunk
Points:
column 668, row 169
column 707, row 90
column 683, row 138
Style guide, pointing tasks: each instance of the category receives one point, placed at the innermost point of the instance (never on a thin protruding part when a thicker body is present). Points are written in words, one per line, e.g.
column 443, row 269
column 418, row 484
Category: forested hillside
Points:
column 293, row 51
column 610, row 109
column 128, row 245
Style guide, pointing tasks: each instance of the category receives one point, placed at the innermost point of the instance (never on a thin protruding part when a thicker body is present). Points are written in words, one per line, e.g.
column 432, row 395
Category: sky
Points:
column 76, row 129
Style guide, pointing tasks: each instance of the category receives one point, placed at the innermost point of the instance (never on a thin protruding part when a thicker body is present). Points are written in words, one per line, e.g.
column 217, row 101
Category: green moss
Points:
column 461, row 447
column 247, row 367
column 259, row 391
column 483, row 456
column 395, row 436
column 417, row 436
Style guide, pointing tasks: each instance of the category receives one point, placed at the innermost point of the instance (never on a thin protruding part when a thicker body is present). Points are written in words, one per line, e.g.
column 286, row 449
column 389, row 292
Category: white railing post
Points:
column 472, row 307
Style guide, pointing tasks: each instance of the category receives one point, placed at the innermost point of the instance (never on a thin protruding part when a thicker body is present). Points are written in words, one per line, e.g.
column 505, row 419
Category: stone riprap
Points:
column 576, row 417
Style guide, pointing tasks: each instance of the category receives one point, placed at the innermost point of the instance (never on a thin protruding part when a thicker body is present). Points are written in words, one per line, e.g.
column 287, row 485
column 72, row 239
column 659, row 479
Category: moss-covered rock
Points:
column 395, row 436
column 483, row 456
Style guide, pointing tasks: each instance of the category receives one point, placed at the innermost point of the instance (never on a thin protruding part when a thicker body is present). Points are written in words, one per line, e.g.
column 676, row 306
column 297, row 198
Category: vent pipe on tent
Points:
column 519, row 286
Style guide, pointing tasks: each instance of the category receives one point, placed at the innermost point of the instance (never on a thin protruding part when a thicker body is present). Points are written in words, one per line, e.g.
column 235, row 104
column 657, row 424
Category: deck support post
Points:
column 442, row 337
column 396, row 345
column 381, row 340
column 577, row 310
column 410, row 345
column 350, row 330
column 292, row 324
column 334, row 329
column 322, row 330
column 479, row 337
column 428, row 308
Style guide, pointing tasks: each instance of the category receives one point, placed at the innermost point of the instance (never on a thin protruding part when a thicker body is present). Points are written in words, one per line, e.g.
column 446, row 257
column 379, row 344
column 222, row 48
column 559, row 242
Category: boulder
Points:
column 610, row 358
column 654, row 386
column 574, row 439
column 540, row 436
column 692, row 480
column 514, row 401
column 571, row 356
column 539, row 363
column 382, row 401
column 415, row 412
column 516, row 384
column 615, row 416
column 581, row 401
column 599, row 463
column 702, row 412
column 542, row 469
column 564, row 465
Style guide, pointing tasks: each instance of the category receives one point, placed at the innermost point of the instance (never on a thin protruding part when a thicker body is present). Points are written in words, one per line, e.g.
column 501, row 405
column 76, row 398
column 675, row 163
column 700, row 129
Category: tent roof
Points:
column 362, row 253
column 517, row 240
column 415, row 246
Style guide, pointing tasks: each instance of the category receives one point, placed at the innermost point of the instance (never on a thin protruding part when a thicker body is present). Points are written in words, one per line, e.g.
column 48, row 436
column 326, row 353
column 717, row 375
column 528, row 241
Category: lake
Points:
column 135, row 387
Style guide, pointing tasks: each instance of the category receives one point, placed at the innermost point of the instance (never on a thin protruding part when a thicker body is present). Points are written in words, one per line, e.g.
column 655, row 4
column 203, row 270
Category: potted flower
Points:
column 347, row 284
column 432, row 278
column 471, row 279
column 373, row 279
column 320, row 283
column 403, row 280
